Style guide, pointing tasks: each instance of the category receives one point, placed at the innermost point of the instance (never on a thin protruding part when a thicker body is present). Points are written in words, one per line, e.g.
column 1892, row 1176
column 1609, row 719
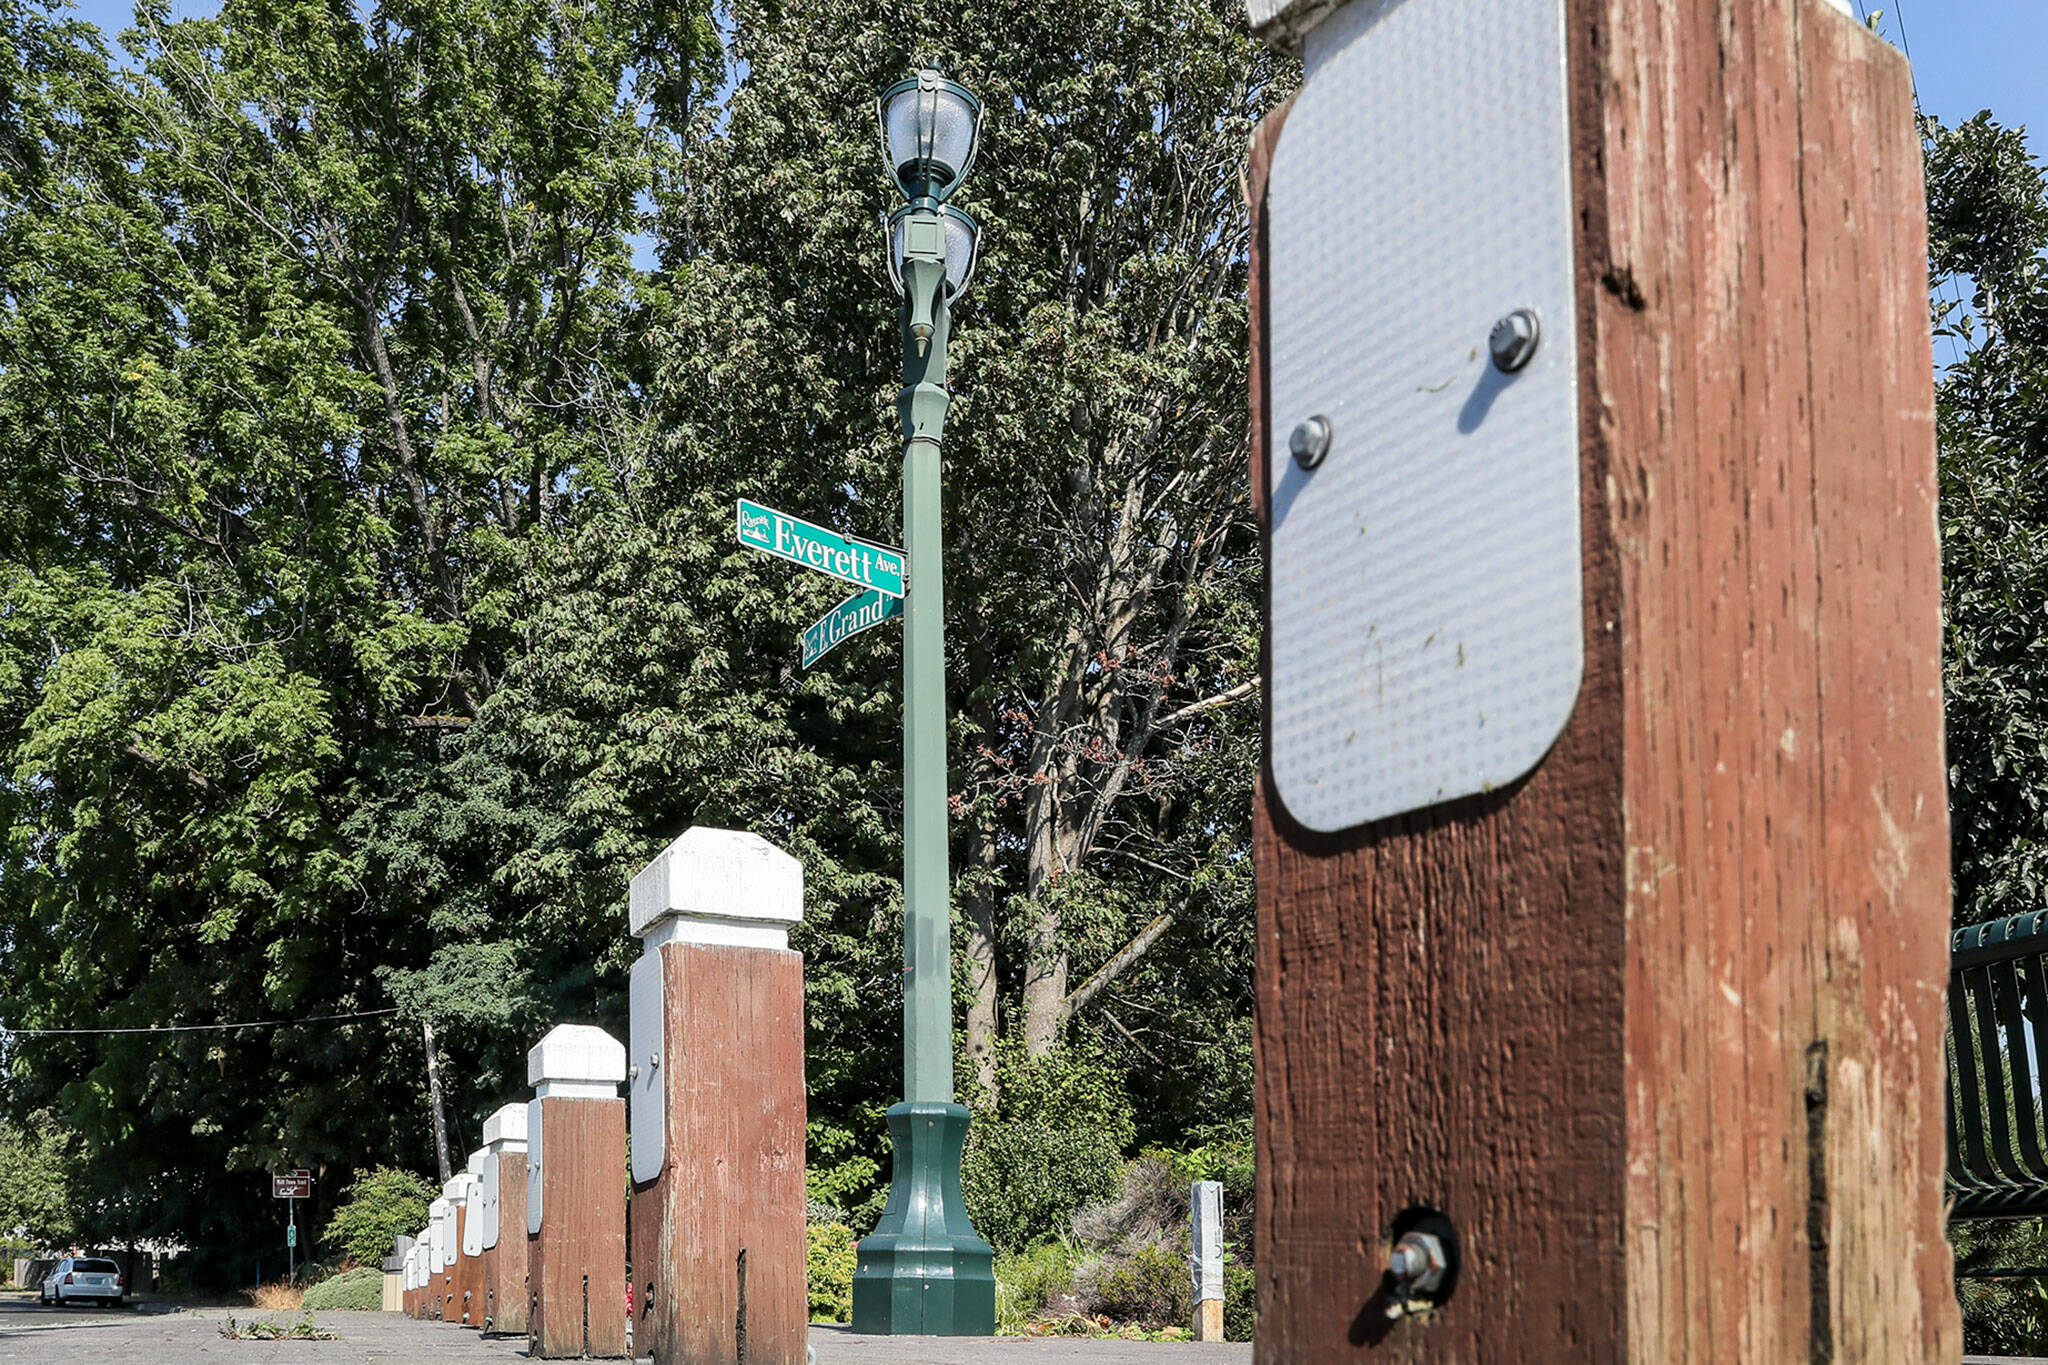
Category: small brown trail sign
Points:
column 292, row 1185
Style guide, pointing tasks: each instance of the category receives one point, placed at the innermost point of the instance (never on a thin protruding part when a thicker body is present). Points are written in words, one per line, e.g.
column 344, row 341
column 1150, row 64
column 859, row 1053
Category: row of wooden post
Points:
column 532, row 1237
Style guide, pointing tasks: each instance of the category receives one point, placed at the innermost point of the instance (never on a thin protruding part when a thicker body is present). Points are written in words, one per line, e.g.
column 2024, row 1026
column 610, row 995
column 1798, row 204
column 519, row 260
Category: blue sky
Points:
column 1975, row 54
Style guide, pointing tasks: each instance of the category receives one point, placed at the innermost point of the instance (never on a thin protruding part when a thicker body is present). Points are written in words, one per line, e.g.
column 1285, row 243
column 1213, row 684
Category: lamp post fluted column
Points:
column 924, row 1270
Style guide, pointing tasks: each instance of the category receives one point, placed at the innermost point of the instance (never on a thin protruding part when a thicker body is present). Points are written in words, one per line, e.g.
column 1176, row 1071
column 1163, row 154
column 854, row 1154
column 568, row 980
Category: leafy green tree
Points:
column 384, row 1203
column 1988, row 230
column 374, row 388
column 38, row 1194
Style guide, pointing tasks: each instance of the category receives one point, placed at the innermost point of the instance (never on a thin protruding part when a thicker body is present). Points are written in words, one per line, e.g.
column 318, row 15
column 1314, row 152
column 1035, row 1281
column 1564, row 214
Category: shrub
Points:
column 829, row 1263
column 383, row 1204
column 1149, row 1285
column 2002, row 1317
column 1240, row 1301
column 1029, row 1281
column 361, row 1289
column 1023, row 1182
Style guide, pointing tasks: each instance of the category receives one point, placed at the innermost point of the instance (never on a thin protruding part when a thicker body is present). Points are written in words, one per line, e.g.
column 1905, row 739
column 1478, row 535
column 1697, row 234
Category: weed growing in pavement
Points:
column 263, row 1329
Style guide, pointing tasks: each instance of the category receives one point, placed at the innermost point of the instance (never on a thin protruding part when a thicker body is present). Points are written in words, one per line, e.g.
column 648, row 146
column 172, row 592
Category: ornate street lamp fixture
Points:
column 923, row 1270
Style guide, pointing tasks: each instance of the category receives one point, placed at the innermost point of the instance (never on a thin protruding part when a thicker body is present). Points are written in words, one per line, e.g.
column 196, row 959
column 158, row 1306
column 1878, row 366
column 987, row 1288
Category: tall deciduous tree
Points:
column 1988, row 231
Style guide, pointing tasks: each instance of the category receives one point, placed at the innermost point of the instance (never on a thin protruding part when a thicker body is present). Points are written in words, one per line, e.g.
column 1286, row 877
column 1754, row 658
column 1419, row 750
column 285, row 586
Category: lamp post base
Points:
column 923, row 1271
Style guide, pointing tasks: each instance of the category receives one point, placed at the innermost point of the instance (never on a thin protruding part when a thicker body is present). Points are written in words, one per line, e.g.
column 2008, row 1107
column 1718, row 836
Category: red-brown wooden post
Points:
column 716, row 1090
column 575, row 1197
column 1656, row 1024
column 469, row 1268
column 504, row 1230
column 455, row 1286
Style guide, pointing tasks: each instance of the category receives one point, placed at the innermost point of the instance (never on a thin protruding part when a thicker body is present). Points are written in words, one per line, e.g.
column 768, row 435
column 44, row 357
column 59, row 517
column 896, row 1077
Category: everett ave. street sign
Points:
column 856, row 614
column 859, row 562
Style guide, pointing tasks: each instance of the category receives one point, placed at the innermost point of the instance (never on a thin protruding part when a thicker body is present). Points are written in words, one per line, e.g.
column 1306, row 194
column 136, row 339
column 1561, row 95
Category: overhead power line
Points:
column 197, row 1028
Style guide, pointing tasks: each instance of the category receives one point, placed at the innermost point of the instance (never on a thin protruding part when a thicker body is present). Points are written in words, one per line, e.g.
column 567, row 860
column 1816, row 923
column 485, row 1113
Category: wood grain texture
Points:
column 465, row 1294
column 732, row 1179
column 505, row 1263
column 1659, row 1027
column 577, row 1261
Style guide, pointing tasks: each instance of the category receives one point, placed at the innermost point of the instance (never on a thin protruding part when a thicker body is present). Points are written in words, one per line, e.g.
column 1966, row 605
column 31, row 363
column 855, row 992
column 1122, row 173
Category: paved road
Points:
column 150, row 1336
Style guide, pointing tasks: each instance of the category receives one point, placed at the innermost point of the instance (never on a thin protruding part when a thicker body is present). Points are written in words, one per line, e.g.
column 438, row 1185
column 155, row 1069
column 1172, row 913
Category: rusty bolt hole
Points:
column 1423, row 1257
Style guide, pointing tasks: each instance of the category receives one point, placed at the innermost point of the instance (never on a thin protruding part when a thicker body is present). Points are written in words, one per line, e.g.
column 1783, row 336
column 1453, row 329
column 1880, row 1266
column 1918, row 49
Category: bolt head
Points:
column 1514, row 339
column 1310, row 441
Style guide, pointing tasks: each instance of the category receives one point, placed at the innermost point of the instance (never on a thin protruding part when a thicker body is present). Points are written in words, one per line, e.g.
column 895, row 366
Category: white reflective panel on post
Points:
column 533, row 1160
column 1425, row 635
column 472, row 1219
column 646, row 1087
column 490, row 1199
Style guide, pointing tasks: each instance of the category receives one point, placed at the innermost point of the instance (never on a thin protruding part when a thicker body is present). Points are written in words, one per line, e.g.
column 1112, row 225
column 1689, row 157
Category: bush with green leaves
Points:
column 2002, row 1317
column 1025, row 1181
column 1030, row 1281
column 383, row 1204
column 1148, row 1285
column 829, row 1263
column 1052, row 1144
column 1240, row 1301
column 360, row 1290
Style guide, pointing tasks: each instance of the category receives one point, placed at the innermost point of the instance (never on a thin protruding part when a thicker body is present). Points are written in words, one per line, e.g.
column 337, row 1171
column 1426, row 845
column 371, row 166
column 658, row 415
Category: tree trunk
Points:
column 980, row 956
column 434, row 1094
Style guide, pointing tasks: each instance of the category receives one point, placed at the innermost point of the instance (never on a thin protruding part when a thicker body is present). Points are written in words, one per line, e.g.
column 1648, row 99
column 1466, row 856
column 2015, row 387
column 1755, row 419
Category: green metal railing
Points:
column 1997, row 1040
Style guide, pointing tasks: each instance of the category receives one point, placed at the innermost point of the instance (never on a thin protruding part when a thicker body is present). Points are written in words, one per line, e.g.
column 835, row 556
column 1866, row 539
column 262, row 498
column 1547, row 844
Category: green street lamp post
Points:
column 923, row 1270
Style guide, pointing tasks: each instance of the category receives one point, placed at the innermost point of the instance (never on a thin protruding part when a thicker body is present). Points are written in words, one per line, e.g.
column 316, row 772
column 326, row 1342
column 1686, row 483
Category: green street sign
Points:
column 291, row 1235
column 856, row 614
column 859, row 562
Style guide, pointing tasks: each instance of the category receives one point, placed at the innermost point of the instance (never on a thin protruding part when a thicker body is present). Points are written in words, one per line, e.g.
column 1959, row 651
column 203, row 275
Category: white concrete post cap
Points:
column 505, row 1128
column 717, row 886
column 576, row 1054
column 437, row 1211
column 476, row 1161
column 457, row 1191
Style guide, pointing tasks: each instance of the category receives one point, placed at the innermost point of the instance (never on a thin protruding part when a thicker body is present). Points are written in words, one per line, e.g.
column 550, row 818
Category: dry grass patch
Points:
column 276, row 1297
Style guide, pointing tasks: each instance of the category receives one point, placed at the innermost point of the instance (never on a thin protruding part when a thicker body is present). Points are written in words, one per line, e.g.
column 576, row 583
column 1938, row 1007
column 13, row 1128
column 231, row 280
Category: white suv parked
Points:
column 83, row 1277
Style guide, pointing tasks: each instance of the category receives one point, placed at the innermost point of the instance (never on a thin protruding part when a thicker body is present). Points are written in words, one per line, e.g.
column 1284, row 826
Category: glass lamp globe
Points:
column 930, row 129
column 963, row 240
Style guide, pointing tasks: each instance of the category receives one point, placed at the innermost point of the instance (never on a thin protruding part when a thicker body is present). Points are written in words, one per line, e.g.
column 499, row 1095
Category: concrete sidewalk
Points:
column 157, row 1334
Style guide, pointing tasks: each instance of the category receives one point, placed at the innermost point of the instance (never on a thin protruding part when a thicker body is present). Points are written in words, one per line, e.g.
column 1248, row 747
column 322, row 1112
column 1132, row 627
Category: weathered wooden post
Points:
column 1205, row 1257
column 423, row 1270
column 409, row 1302
column 454, row 1295
column 504, row 1231
column 575, row 1203
column 470, row 1279
column 716, row 1087
column 1602, row 839
column 438, row 1215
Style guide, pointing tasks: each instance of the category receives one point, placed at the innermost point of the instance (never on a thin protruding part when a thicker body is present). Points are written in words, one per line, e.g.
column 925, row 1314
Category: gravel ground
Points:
column 158, row 1334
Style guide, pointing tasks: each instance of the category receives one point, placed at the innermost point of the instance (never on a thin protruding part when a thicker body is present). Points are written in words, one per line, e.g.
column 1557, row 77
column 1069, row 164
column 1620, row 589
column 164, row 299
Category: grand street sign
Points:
column 856, row 614
column 859, row 562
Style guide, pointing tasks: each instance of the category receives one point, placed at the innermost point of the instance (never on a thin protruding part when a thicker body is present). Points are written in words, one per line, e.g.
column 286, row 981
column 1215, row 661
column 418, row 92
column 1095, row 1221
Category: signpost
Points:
column 860, row 562
column 291, row 1187
column 860, row 612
